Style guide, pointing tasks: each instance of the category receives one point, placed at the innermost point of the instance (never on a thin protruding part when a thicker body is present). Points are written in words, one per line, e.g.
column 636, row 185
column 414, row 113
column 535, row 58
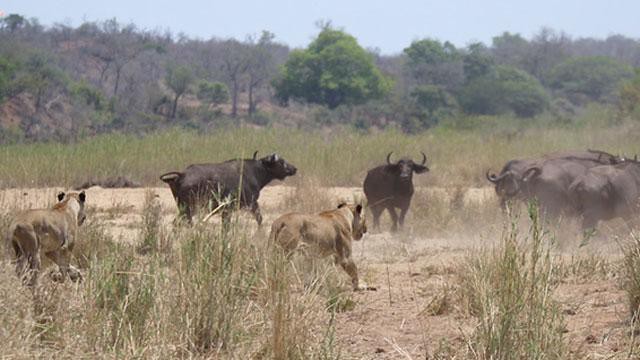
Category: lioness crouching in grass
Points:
column 49, row 231
column 327, row 233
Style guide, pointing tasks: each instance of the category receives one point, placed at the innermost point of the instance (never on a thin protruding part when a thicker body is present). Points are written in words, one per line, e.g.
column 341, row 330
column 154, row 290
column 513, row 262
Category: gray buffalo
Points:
column 202, row 185
column 607, row 192
column 390, row 186
column 547, row 178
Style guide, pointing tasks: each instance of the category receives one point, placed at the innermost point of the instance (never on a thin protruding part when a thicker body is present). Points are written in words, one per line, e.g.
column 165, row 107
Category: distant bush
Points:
column 589, row 78
column 506, row 89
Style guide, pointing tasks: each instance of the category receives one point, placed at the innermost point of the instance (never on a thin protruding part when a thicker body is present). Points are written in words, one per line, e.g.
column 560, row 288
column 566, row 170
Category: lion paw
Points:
column 365, row 287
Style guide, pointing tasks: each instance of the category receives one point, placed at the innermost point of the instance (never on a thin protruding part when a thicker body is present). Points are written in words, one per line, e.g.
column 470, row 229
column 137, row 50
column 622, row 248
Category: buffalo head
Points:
column 507, row 184
column 405, row 167
column 277, row 166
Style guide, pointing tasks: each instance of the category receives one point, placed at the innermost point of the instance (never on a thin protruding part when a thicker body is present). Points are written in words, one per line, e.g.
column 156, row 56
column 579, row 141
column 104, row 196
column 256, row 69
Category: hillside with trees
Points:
column 63, row 83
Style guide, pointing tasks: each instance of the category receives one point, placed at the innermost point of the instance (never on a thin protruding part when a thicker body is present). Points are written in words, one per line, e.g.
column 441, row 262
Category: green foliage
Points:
column 332, row 71
column 589, row 78
column 477, row 62
column 214, row 93
column 42, row 77
column 179, row 79
column 431, row 104
column 8, row 71
column 506, row 89
column 630, row 95
column 14, row 22
column 89, row 95
column 432, row 62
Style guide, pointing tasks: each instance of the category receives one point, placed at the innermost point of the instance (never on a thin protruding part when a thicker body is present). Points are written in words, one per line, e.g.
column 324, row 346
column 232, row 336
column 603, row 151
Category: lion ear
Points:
column 82, row 196
column 61, row 195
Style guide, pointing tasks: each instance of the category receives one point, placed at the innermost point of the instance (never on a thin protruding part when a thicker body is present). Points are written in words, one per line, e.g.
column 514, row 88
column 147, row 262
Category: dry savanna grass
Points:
column 463, row 279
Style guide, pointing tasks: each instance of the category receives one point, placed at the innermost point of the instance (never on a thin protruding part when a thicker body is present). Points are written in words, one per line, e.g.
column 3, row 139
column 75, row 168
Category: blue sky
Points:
column 387, row 25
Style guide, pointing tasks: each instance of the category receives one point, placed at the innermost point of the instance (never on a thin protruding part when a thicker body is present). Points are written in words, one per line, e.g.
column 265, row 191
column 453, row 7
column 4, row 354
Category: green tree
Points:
column 41, row 78
column 432, row 62
column 179, row 78
column 214, row 93
column 630, row 95
column 332, row 71
column 14, row 22
column 8, row 71
column 431, row 104
column 477, row 61
column 505, row 89
column 594, row 78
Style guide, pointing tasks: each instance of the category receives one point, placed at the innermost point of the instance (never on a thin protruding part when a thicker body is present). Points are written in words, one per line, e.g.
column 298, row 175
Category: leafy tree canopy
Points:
column 506, row 89
column 334, row 70
column 596, row 78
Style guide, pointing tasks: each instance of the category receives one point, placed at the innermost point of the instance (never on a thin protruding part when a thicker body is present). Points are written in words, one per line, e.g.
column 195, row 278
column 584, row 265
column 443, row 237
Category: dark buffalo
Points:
column 207, row 185
column 391, row 186
column 607, row 192
column 547, row 178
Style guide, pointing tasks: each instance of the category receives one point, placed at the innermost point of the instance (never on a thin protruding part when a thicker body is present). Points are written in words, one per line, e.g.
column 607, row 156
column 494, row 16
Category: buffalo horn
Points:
column 255, row 154
column 424, row 158
column 389, row 157
column 494, row 179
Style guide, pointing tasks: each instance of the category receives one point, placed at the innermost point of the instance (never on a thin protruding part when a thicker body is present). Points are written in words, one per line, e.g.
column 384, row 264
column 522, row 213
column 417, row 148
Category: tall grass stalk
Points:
column 509, row 290
column 456, row 156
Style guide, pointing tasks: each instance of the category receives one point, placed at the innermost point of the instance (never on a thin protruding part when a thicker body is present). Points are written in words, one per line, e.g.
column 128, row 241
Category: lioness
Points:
column 327, row 233
column 51, row 231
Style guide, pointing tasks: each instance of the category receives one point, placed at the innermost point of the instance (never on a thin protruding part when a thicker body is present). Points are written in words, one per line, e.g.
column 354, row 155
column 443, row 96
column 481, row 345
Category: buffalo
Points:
column 547, row 178
column 237, row 180
column 390, row 186
column 607, row 192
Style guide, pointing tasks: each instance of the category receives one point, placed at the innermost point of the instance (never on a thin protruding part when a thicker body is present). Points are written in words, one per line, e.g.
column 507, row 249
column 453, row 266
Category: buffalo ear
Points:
column 82, row 196
column 531, row 173
column 419, row 169
column 61, row 195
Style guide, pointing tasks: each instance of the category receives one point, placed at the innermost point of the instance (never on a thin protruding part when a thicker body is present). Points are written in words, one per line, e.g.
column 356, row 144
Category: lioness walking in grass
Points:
column 49, row 231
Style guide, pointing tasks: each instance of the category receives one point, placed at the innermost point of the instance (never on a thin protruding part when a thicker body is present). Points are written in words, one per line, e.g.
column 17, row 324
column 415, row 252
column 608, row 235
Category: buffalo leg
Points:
column 394, row 218
column 376, row 211
column 184, row 212
column 255, row 210
column 403, row 213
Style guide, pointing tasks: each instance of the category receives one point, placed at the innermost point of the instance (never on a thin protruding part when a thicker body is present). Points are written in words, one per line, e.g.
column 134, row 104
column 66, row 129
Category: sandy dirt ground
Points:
column 409, row 269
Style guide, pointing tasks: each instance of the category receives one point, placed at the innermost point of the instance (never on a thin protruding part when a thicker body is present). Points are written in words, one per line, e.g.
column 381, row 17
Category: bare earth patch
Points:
column 410, row 314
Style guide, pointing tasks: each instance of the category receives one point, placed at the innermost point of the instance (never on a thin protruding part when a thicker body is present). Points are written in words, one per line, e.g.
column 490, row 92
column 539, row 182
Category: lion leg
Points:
column 61, row 258
column 350, row 268
column 25, row 242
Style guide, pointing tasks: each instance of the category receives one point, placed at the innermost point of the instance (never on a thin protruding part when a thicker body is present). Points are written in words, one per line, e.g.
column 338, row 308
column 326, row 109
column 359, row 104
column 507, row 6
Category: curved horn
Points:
column 424, row 158
column 493, row 178
column 389, row 157
column 255, row 153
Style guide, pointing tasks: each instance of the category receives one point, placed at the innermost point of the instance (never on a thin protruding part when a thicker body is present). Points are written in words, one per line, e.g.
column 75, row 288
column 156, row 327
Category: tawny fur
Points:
column 50, row 231
column 327, row 233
